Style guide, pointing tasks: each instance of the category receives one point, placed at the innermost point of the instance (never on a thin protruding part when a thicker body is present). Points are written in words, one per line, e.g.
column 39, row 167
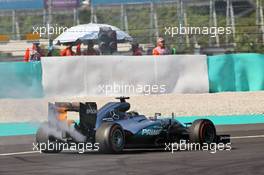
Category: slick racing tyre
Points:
column 110, row 137
column 46, row 142
column 202, row 131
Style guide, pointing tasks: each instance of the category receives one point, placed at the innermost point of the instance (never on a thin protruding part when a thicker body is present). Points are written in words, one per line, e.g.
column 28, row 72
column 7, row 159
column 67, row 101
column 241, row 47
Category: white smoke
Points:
column 56, row 127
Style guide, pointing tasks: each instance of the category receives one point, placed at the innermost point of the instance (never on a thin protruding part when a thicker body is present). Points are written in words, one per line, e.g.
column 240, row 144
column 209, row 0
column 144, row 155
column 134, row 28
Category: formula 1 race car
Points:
column 115, row 128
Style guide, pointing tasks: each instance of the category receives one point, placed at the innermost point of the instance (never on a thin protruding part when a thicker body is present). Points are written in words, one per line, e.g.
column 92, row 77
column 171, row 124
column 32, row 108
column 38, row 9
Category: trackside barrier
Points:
column 20, row 80
column 93, row 75
column 236, row 72
column 124, row 75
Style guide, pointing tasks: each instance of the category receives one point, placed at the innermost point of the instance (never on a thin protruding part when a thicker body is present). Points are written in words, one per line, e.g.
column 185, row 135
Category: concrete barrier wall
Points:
column 124, row 75
column 127, row 75
column 236, row 72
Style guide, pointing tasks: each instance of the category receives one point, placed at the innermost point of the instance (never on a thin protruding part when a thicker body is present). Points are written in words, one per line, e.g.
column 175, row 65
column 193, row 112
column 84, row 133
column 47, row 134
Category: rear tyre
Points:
column 110, row 137
column 202, row 131
column 46, row 142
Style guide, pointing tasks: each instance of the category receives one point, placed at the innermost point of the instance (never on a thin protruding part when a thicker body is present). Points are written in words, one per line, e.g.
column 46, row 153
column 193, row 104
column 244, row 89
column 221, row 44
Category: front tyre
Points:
column 202, row 131
column 110, row 137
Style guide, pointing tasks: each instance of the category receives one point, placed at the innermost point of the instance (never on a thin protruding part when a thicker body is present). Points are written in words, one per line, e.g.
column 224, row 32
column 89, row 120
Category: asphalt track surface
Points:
column 246, row 157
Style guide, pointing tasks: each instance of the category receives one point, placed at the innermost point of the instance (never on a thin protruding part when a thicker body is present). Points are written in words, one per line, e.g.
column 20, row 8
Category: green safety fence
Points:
column 20, row 80
column 236, row 72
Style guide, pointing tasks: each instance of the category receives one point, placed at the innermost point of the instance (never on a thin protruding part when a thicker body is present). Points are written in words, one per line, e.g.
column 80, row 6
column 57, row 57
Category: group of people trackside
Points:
column 160, row 49
column 89, row 51
column 35, row 53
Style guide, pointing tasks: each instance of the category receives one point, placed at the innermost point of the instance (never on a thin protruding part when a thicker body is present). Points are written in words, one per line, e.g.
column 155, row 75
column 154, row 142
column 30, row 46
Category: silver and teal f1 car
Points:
column 115, row 128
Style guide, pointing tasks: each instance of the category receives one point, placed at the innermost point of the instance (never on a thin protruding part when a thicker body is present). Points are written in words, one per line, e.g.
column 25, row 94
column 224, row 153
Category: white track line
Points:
column 247, row 137
column 19, row 153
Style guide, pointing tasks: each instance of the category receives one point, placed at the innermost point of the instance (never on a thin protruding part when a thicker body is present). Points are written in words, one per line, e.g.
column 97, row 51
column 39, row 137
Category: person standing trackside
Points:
column 34, row 54
column 50, row 48
column 67, row 51
column 90, row 49
column 78, row 49
column 161, row 48
column 135, row 49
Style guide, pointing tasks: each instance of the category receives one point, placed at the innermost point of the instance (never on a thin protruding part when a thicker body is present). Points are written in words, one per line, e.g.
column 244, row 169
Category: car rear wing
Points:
column 75, row 106
column 87, row 113
column 88, row 116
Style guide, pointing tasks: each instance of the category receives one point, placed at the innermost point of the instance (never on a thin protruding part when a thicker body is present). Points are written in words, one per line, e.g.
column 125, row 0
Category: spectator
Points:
column 27, row 55
column 149, row 50
column 50, row 48
column 35, row 54
column 173, row 51
column 161, row 48
column 90, row 49
column 78, row 49
column 136, row 50
column 67, row 51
